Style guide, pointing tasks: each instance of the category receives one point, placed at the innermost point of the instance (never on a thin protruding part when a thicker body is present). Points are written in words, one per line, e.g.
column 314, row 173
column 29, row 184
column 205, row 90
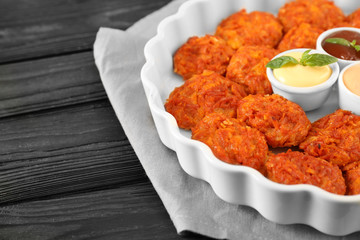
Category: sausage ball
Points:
column 354, row 19
column 283, row 122
column 202, row 53
column 255, row 28
column 335, row 138
column 351, row 174
column 232, row 141
column 294, row 167
column 302, row 36
column 248, row 68
column 203, row 94
column 323, row 14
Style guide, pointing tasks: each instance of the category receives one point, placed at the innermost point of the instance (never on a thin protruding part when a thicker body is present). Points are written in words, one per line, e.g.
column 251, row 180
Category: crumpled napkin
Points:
column 191, row 203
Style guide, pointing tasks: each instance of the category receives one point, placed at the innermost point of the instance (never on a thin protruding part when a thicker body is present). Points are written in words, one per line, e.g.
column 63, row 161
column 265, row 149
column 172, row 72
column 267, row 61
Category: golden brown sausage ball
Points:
column 294, row 167
column 283, row 122
column 323, row 14
column 351, row 174
column 302, row 36
column 202, row 53
column 335, row 138
column 248, row 68
column 354, row 19
column 246, row 29
column 201, row 95
column 232, row 141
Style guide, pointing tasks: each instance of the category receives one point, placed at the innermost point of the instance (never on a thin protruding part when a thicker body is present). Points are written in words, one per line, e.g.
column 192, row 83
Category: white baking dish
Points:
column 286, row 204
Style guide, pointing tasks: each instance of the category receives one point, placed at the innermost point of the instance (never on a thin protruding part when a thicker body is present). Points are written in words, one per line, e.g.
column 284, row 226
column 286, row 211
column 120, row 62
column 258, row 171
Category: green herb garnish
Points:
column 307, row 59
column 344, row 42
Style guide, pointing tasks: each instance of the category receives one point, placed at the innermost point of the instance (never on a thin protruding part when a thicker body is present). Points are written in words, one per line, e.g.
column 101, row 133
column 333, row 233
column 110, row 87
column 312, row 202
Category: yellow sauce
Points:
column 301, row 76
column 352, row 80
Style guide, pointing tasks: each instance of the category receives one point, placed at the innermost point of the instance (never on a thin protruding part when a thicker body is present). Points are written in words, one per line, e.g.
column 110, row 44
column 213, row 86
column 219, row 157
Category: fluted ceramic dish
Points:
column 286, row 204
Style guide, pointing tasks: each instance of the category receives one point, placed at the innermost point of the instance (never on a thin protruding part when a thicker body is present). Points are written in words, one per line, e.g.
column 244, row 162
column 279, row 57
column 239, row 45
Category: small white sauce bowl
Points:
column 347, row 99
column 309, row 98
column 342, row 63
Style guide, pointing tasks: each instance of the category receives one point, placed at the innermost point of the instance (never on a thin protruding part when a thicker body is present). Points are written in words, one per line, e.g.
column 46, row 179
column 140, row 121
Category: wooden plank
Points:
column 38, row 28
column 127, row 212
column 64, row 150
column 48, row 83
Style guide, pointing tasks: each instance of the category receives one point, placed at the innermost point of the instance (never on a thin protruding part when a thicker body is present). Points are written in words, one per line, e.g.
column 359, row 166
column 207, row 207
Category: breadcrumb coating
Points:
column 354, row 19
column 323, row 14
column 294, row 167
column 247, row 29
column 302, row 36
column 232, row 141
column 201, row 95
column 283, row 122
column 335, row 138
column 248, row 68
column 202, row 53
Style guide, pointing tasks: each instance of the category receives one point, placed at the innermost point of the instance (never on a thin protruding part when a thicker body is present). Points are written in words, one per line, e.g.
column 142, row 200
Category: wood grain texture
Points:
column 67, row 170
column 49, row 83
column 64, row 150
column 128, row 212
column 34, row 29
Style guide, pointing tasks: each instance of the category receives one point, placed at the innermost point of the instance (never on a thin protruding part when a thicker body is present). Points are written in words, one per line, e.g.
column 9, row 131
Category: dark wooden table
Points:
column 67, row 170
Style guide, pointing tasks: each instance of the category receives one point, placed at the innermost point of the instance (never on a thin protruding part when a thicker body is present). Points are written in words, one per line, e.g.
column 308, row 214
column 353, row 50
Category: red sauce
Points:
column 340, row 51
